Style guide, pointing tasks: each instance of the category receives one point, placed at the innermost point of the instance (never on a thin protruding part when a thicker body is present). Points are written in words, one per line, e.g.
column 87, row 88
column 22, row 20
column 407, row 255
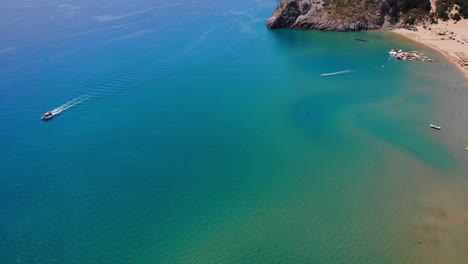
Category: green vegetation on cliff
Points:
column 458, row 7
column 406, row 11
column 343, row 15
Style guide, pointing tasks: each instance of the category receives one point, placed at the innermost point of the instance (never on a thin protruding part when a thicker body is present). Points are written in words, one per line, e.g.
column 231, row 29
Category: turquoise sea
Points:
column 201, row 136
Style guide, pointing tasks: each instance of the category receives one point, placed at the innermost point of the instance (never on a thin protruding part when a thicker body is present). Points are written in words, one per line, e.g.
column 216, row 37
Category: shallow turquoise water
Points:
column 208, row 138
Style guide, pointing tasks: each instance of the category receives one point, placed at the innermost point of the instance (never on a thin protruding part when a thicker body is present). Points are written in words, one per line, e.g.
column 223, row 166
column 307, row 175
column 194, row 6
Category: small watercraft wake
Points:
column 335, row 73
column 49, row 114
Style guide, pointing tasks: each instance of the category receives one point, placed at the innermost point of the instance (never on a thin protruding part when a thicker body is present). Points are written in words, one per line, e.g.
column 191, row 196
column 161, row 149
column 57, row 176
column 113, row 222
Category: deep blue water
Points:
column 207, row 138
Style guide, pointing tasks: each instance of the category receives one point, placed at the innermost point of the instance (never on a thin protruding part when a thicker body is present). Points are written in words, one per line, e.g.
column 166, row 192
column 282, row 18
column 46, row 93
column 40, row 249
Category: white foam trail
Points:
column 69, row 104
column 335, row 73
column 151, row 70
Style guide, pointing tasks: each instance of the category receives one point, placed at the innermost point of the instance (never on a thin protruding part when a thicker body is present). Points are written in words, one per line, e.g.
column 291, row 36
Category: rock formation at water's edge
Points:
column 347, row 15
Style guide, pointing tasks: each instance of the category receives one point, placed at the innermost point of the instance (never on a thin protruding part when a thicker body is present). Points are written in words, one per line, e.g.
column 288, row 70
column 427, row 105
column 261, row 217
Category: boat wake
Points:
column 69, row 104
column 336, row 73
column 132, row 73
column 113, row 80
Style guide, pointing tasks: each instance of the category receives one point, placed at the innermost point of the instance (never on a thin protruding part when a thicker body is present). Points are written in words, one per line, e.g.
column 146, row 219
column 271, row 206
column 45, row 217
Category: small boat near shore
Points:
column 361, row 40
column 435, row 127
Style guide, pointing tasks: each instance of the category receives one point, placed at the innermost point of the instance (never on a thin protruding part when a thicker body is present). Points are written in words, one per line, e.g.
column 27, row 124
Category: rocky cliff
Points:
column 345, row 15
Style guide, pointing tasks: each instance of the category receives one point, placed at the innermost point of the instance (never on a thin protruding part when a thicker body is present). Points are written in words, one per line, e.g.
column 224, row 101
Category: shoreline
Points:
column 445, row 37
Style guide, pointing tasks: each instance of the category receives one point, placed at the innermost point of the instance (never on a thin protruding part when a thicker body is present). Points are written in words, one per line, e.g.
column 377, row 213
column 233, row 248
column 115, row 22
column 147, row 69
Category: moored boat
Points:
column 435, row 127
column 408, row 55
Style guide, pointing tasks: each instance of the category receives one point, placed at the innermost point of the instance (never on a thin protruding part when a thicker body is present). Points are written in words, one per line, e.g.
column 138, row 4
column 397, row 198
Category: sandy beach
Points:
column 450, row 38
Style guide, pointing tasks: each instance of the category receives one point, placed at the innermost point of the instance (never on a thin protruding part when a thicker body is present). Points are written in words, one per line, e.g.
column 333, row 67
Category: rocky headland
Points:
column 317, row 14
column 351, row 15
